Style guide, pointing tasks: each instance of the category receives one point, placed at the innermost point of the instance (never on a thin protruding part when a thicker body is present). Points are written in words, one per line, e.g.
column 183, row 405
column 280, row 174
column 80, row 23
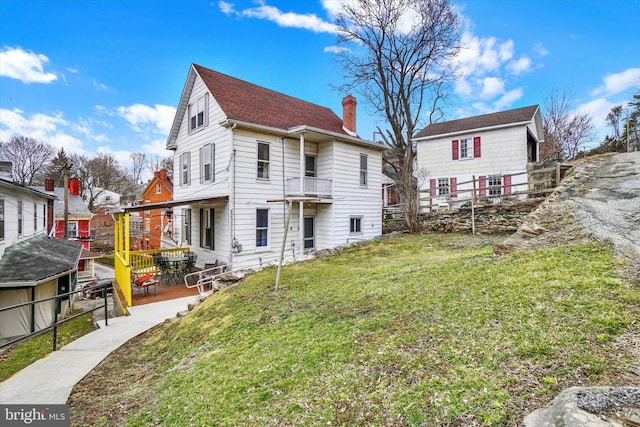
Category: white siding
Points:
column 211, row 134
column 352, row 199
column 11, row 197
column 503, row 152
column 236, row 177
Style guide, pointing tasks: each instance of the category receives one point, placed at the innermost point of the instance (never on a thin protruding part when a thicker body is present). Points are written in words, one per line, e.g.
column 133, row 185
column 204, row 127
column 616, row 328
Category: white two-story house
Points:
column 494, row 148
column 33, row 265
column 252, row 159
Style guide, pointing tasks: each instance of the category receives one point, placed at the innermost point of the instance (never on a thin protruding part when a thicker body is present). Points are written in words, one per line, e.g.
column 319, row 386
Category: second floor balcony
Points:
column 311, row 187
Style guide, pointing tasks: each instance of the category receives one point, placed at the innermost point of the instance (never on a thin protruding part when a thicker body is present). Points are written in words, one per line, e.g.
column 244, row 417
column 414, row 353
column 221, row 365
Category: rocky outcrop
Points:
column 589, row 407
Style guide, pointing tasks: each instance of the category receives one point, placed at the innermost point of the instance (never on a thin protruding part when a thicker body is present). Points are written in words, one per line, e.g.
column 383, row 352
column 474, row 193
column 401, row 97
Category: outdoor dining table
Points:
column 177, row 264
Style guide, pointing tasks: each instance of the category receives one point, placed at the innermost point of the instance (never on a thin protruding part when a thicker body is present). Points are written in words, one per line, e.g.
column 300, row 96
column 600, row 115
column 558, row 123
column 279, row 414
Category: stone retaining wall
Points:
column 498, row 218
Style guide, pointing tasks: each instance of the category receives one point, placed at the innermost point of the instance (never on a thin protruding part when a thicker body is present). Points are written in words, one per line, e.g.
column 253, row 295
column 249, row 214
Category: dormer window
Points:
column 198, row 113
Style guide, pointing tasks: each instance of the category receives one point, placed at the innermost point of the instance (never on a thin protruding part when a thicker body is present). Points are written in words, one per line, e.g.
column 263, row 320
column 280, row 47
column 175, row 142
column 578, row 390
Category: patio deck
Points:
column 164, row 292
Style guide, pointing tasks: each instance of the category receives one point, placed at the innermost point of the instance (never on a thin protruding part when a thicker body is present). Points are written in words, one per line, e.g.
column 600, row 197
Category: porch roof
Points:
column 37, row 260
column 172, row 203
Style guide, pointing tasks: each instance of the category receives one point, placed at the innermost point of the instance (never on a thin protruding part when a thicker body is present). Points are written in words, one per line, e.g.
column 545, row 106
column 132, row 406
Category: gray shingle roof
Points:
column 518, row 115
column 36, row 259
column 77, row 206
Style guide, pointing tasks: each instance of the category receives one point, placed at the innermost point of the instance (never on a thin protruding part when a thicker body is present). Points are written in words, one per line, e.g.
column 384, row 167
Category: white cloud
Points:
column 507, row 100
column 336, row 49
column 25, row 66
column 99, row 86
column 492, row 87
column 157, row 119
column 618, row 82
column 540, row 50
column 51, row 129
column 157, row 147
column 520, row 65
column 284, row 19
column 597, row 110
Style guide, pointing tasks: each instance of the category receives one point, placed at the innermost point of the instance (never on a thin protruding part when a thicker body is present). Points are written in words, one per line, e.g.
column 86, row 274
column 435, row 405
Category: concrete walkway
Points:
column 51, row 379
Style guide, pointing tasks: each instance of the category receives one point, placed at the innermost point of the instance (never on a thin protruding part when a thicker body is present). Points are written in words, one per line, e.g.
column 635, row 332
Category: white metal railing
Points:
column 205, row 277
column 311, row 186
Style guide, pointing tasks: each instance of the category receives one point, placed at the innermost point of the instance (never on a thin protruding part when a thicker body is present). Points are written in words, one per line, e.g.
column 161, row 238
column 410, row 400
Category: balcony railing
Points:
column 312, row 187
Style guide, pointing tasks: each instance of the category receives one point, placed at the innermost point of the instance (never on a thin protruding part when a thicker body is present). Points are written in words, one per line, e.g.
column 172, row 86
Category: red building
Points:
column 77, row 213
column 156, row 223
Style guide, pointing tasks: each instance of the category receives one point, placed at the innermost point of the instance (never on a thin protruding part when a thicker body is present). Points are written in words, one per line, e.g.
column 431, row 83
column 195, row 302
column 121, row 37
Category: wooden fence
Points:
column 539, row 183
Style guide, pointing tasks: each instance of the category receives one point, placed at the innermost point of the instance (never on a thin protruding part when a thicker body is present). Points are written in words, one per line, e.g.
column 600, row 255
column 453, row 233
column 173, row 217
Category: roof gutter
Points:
column 231, row 123
column 33, row 283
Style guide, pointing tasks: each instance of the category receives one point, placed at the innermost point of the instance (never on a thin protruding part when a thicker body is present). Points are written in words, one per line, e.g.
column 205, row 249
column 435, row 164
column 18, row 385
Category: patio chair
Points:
column 163, row 267
column 144, row 283
column 191, row 261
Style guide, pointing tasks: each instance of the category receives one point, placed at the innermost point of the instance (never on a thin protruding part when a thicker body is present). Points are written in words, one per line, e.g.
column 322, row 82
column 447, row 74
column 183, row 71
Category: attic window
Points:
column 198, row 113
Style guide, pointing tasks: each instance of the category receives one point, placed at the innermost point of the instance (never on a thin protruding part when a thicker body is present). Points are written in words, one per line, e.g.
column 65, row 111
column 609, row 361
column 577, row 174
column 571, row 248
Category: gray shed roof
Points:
column 37, row 259
column 501, row 118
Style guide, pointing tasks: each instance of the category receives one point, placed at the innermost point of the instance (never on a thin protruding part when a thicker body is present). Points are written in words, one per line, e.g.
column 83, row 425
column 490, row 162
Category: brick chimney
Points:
column 74, row 187
column 48, row 185
column 161, row 174
column 349, row 113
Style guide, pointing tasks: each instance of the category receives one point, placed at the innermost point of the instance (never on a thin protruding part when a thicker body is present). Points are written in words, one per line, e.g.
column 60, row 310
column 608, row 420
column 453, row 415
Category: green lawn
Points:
column 408, row 330
column 25, row 353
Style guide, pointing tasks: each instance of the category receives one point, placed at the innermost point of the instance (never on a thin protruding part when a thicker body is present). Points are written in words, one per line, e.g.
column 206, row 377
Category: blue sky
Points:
column 106, row 76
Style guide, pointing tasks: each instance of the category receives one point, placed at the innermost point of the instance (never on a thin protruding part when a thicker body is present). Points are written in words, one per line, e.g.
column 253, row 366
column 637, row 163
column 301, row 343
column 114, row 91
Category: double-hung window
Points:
column 443, row 186
column 494, row 182
column 207, row 230
column 1, row 218
column 466, row 149
column 263, row 160
column 73, row 229
column 19, row 217
column 185, row 168
column 355, row 225
column 198, row 116
column 363, row 169
column 35, row 217
column 207, row 161
column 186, row 225
column 262, row 227
column 158, row 188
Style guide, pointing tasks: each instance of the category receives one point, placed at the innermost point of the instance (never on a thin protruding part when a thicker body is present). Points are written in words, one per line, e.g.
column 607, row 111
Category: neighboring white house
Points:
column 243, row 152
column 106, row 198
column 32, row 265
column 495, row 148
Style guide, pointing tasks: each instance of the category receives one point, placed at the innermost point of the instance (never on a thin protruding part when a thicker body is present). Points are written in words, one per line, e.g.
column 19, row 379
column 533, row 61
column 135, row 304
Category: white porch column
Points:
column 301, row 164
column 301, row 204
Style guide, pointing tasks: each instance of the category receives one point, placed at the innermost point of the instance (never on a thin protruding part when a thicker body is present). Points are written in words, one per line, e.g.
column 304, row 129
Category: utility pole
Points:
column 66, row 168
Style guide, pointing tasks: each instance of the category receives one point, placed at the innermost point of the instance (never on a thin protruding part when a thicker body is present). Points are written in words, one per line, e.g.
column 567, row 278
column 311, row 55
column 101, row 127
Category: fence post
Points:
column 106, row 303
column 473, row 203
column 55, row 322
column 557, row 174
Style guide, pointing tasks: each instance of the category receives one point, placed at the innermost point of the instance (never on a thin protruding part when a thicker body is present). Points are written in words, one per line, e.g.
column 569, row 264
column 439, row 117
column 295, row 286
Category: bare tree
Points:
column 27, row 155
column 139, row 163
column 401, row 64
column 156, row 164
column 567, row 131
column 97, row 174
column 613, row 119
